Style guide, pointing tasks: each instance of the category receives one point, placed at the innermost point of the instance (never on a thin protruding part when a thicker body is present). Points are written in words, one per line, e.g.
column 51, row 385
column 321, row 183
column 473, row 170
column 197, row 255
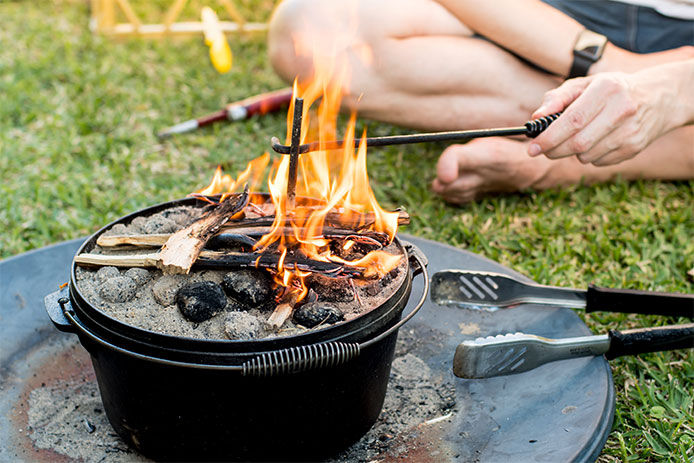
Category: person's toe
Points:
column 447, row 166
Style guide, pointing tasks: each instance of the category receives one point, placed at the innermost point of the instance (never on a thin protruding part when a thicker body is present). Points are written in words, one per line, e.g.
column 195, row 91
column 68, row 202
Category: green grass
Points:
column 77, row 117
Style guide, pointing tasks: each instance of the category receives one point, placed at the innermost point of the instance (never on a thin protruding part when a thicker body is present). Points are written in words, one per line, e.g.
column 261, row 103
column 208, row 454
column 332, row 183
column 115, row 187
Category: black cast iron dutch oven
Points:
column 298, row 397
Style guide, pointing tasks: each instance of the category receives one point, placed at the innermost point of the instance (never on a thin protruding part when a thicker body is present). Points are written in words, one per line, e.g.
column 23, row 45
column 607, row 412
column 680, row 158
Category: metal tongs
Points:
column 514, row 353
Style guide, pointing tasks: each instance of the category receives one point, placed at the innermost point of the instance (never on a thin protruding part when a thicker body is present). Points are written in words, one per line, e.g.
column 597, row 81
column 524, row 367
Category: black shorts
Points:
column 635, row 28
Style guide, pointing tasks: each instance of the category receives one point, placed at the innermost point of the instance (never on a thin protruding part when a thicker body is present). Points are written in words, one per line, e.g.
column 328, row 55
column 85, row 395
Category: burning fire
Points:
column 328, row 182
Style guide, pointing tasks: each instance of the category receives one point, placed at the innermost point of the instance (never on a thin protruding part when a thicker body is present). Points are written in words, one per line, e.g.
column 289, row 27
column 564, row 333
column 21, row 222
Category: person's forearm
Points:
column 529, row 28
column 672, row 86
column 685, row 72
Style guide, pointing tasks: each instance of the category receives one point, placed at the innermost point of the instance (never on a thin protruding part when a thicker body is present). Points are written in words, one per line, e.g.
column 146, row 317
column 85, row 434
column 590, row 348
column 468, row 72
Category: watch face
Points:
column 590, row 44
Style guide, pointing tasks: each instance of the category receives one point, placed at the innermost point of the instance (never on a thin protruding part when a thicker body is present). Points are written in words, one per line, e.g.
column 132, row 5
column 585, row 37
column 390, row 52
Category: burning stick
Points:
column 244, row 236
column 224, row 260
column 294, row 152
column 283, row 311
column 182, row 248
column 356, row 221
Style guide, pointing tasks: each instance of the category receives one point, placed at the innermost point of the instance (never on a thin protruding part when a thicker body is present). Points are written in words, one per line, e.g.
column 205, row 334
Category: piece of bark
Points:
column 184, row 246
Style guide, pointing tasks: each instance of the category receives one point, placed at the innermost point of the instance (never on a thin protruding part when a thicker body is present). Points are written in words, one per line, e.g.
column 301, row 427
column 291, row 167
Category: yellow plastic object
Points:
column 220, row 53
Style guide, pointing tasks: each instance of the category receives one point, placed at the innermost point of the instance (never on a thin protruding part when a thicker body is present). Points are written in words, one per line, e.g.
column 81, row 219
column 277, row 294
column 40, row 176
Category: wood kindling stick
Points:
column 356, row 221
column 283, row 310
column 184, row 246
column 224, row 260
column 242, row 236
column 294, row 152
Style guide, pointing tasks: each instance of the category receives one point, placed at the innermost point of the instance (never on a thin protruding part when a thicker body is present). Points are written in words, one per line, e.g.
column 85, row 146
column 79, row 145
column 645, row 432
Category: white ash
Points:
column 145, row 298
column 57, row 416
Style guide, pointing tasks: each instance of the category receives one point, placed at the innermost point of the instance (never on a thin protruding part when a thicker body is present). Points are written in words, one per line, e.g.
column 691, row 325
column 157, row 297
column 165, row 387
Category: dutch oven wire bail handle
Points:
column 326, row 355
column 280, row 362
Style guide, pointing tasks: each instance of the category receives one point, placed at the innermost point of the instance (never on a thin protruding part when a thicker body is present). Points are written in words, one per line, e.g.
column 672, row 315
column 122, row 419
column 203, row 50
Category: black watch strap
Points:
column 588, row 48
column 580, row 66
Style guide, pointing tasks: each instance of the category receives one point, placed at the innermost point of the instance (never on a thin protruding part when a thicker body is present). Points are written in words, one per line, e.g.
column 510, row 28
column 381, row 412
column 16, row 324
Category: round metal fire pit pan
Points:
column 561, row 411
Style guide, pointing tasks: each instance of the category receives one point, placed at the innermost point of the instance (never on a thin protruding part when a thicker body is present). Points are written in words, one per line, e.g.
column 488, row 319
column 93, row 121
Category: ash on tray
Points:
column 58, row 413
column 148, row 299
column 68, row 418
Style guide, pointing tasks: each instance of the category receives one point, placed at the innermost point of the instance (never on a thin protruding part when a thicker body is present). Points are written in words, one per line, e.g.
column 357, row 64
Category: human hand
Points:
column 611, row 117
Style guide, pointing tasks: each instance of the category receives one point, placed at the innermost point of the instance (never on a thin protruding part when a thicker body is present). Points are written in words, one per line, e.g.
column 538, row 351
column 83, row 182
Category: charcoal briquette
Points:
column 104, row 273
column 201, row 300
column 118, row 289
column 159, row 224
column 139, row 275
column 235, row 306
column 331, row 289
column 242, row 325
column 315, row 313
column 252, row 288
column 166, row 287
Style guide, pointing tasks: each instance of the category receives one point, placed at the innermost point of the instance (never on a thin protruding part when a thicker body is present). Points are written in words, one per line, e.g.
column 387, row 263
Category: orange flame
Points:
column 328, row 181
column 224, row 184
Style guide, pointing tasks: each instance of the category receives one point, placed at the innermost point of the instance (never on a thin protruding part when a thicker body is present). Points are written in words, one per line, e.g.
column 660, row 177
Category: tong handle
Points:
column 642, row 340
column 637, row 301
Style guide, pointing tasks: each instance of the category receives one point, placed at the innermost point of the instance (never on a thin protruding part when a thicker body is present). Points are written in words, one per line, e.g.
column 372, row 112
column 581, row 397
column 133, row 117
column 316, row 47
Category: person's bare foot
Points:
column 492, row 165
column 501, row 165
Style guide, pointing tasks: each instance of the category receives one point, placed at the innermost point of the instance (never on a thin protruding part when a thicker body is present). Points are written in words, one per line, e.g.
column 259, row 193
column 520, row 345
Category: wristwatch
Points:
column 587, row 50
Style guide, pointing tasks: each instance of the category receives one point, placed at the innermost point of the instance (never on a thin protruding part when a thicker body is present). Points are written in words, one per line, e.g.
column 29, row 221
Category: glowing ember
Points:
column 329, row 182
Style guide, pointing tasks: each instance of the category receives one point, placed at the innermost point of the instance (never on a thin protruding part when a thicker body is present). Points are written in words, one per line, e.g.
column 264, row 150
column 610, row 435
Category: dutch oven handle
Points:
column 330, row 354
column 56, row 303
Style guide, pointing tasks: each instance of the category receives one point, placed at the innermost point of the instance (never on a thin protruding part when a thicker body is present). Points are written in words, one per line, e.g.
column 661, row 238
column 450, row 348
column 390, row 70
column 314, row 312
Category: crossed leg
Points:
column 430, row 72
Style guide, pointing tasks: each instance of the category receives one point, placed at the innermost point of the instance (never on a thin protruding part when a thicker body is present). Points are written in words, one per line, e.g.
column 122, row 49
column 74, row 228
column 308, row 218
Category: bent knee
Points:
column 285, row 19
column 300, row 28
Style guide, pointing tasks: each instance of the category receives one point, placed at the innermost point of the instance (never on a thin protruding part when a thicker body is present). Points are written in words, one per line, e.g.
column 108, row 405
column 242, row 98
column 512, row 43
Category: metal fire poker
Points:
column 237, row 111
column 530, row 129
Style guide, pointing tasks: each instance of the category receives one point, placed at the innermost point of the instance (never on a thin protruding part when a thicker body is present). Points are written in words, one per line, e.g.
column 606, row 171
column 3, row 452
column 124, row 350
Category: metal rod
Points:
column 531, row 129
column 294, row 151
column 403, row 139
